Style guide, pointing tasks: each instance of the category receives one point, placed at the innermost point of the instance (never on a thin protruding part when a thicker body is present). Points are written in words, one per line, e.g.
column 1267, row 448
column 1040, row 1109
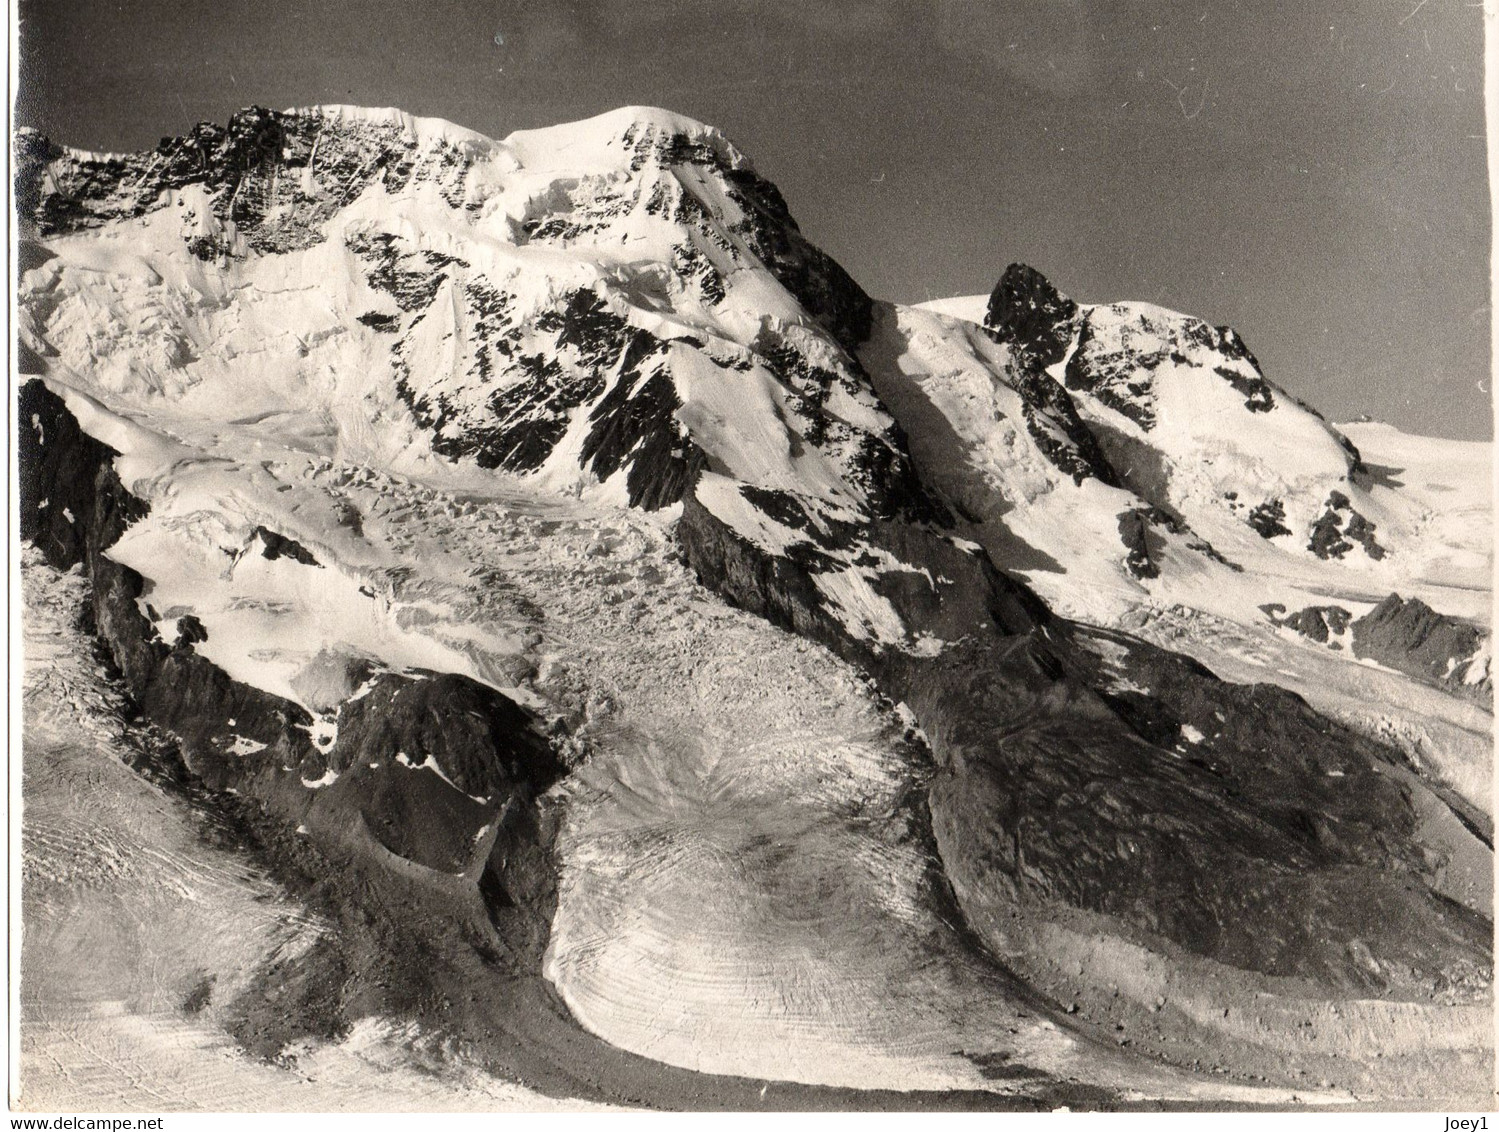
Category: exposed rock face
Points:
column 1332, row 537
column 1114, row 376
column 1135, row 532
column 58, row 464
column 641, row 317
column 172, row 684
column 1066, row 783
column 1269, row 519
column 1036, row 321
column 1058, row 431
column 440, row 739
column 271, row 176
column 270, row 183
column 1178, row 411
column 483, row 743
column 1406, row 635
column 1119, row 349
column 1030, row 314
column 583, row 354
column 1319, row 623
column 1411, row 636
column 274, row 545
column 1189, row 839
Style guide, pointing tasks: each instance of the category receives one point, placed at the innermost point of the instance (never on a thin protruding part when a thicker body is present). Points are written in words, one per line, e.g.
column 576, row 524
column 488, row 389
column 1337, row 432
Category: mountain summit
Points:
column 329, row 394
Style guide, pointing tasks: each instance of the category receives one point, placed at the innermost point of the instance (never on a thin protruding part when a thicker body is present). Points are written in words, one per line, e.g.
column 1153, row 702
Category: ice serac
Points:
column 1413, row 637
column 621, row 311
column 548, row 303
column 441, row 772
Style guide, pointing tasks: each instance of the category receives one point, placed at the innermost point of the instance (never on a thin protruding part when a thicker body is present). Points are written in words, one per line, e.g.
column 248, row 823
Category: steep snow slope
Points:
column 969, row 308
column 631, row 305
column 424, row 568
column 663, row 689
column 406, row 421
column 1217, row 496
column 1032, row 494
column 1189, row 423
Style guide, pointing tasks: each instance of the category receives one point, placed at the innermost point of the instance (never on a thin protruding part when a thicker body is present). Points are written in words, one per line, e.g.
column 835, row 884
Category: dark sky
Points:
column 1309, row 171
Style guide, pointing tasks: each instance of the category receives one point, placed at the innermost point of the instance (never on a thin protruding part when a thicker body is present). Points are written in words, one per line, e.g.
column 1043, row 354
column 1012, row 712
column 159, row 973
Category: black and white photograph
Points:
column 740, row 556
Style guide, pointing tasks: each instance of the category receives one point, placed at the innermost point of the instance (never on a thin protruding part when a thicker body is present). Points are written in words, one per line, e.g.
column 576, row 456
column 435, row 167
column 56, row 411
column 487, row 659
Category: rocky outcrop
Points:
column 1030, row 315
column 1340, row 527
column 171, row 683
column 1231, row 821
column 1269, row 840
column 1118, row 350
column 1141, row 543
column 1118, row 377
column 1408, row 635
column 270, row 177
column 1053, row 422
column 481, row 742
column 1319, row 623
column 1037, row 322
column 274, row 545
column 971, row 592
column 1177, row 411
column 1268, row 519
column 817, row 280
column 58, row 465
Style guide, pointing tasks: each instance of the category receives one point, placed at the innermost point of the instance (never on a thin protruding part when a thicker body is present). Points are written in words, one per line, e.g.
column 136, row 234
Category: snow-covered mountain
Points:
column 401, row 459
column 1183, row 419
column 1206, row 507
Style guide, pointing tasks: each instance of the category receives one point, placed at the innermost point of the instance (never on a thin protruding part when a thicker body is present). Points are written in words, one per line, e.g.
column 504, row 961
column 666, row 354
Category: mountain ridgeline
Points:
column 624, row 310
